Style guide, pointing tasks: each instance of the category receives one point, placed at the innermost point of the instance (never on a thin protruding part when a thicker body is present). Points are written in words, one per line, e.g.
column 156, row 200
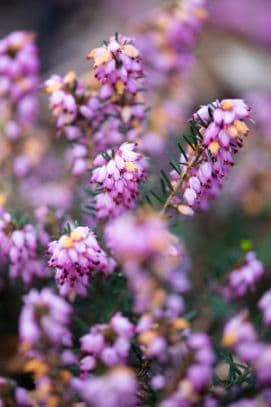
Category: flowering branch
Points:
column 216, row 133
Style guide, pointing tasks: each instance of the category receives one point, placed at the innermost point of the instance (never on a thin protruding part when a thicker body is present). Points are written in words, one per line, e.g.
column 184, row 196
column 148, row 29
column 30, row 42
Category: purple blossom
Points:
column 63, row 102
column 45, row 317
column 108, row 344
column 83, row 111
column 262, row 365
column 167, row 38
column 114, row 121
column 195, row 376
column 147, row 241
column 19, row 77
column 76, row 256
column 119, row 176
column 78, row 156
column 239, row 330
column 222, row 129
column 117, row 65
column 118, row 387
column 265, row 306
column 67, row 96
column 243, row 279
column 22, row 246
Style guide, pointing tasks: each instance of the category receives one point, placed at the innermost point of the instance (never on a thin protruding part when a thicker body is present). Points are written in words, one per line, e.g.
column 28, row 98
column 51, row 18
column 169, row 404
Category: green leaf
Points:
column 189, row 142
column 157, row 196
column 182, row 151
column 163, row 187
column 175, row 167
column 148, row 200
column 106, row 156
column 167, row 180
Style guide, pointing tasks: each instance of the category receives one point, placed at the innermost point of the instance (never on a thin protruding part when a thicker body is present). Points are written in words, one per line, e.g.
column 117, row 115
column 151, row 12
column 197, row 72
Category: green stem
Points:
column 180, row 181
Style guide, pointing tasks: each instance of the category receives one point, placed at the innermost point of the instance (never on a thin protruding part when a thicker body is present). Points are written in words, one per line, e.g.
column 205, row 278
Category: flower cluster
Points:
column 249, row 345
column 243, row 279
column 65, row 94
column 83, row 111
column 117, row 388
column 108, row 344
column 188, row 387
column 117, row 65
column 76, row 256
column 148, row 241
column 168, row 38
column 118, row 173
column 44, row 329
column 265, row 306
column 22, row 246
column 45, row 317
column 241, row 336
column 97, row 116
column 221, row 130
column 19, row 77
column 249, row 186
column 114, row 120
column 78, row 156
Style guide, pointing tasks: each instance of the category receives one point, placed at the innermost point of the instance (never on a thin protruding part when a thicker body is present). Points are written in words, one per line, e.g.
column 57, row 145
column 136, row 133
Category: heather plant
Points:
column 108, row 308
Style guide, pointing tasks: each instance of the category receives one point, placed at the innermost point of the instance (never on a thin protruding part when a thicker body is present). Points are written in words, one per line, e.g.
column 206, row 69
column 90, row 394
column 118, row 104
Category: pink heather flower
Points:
column 239, row 335
column 87, row 111
column 172, row 351
column 147, row 241
column 21, row 165
column 167, row 39
column 45, row 317
column 238, row 330
column 265, row 306
column 262, row 364
column 117, row 388
column 146, row 237
column 229, row 17
column 244, row 279
column 19, row 77
column 119, row 175
column 114, row 121
column 83, row 112
column 5, row 222
column 63, row 102
column 108, row 344
column 117, row 65
column 67, row 99
column 78, row 155
column 222, row 128
column 21, row 246
column 23, row 255
column 76, row 257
